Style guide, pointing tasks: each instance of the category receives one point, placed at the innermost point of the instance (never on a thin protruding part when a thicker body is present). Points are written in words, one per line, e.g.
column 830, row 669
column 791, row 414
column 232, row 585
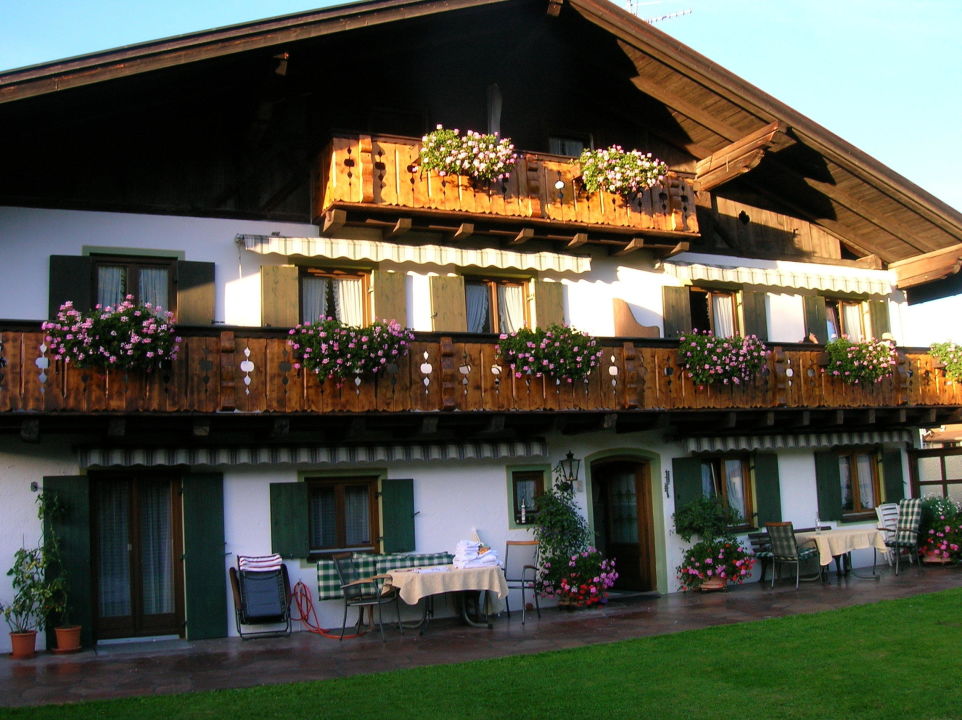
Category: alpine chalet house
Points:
column 255, row 177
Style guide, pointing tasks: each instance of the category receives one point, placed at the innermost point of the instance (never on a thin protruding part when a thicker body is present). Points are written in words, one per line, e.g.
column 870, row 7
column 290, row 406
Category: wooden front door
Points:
column 621, row 496
column 137, row 546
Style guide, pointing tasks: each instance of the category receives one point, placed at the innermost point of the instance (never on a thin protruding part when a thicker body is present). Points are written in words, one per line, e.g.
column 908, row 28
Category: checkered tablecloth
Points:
column 329, row 587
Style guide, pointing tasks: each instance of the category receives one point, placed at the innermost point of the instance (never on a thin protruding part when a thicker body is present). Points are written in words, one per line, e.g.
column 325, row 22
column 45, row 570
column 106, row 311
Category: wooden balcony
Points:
column 250, row 372
column 375, row 180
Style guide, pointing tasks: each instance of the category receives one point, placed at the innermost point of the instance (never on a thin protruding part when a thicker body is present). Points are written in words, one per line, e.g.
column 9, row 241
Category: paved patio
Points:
column 179, row 666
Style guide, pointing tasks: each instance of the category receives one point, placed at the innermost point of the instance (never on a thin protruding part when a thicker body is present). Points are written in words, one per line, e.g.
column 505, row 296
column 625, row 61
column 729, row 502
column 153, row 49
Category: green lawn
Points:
column 894, row 659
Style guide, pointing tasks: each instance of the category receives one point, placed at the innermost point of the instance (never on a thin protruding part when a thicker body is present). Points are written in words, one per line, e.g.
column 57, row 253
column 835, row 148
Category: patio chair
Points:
column 262, row 595
column 906, row 536
column 888, row 520
column 363, row 592
column 521, row 572
column 785, row 550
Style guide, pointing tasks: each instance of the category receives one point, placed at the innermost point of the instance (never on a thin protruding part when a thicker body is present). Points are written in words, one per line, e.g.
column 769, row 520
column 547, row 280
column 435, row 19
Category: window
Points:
column 729, row 478
column 572, row 146
column 148, row 279
column 342, row 514
column 844, row 317
column 495, row 305
column 333, row 293
column 858, row 478
column 526, row 487
column 714, row 310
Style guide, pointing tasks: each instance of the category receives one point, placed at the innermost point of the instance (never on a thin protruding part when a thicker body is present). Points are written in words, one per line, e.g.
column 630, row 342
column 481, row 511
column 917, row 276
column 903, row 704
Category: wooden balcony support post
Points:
column 634, row 377
column 779, row 365
column 228, row 370
column 450, row 383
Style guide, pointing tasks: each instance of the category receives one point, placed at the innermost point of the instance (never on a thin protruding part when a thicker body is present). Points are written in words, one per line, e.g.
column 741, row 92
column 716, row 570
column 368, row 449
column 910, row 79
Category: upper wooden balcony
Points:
column 244, row 372
column 374, row 180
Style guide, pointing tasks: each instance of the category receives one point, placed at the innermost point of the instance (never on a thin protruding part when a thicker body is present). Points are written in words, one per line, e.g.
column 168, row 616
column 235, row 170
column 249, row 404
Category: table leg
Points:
column 486, row 622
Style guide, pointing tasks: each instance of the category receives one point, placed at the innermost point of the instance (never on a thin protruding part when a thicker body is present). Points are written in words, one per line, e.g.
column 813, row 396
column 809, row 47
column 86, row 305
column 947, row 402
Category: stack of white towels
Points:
column 474, row 554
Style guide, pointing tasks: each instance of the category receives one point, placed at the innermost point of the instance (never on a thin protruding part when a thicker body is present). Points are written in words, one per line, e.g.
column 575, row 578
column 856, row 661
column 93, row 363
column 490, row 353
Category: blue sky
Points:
column 882, row 74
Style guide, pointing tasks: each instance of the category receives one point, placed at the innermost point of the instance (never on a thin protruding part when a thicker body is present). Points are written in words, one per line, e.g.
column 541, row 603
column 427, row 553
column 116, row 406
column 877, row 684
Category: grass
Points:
column 892, row 659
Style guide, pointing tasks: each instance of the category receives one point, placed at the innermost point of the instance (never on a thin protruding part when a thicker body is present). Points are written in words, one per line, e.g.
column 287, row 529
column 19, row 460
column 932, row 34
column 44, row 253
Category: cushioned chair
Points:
column 888, row 520
column 521, row 571
column 262, row 595
column 785, row 551
column 906, row 538
column 361, row 592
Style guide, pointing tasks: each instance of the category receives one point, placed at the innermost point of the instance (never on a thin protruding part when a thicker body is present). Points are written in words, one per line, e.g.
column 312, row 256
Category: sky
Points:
column 884, row 75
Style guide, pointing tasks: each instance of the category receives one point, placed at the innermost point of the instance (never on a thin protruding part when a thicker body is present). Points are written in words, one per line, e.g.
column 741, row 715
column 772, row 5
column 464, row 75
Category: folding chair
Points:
column 262, row 595
column 521, row 571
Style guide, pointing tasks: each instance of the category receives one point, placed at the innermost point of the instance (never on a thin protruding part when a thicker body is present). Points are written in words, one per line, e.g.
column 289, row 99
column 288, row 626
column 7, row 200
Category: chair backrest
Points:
column 517, row 555
column 347, row 572
column 888, row 517
column 261, row 595
column 782, row 535
column 910, row 513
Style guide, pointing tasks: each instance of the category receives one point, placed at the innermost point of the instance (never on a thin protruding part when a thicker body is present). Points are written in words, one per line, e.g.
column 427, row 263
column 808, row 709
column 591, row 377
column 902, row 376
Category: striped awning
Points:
column 785, row 277
column 93, row 457
column 377, row 251
column 800, row 441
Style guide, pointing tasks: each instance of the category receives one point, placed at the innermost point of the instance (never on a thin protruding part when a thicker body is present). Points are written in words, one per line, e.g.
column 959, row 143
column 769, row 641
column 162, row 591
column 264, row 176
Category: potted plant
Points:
column 560, row 352
column 950, row 355
column 619, row 171
column 332, row 349
column 860, row 362
column 709, row 359
column 580, row 581
column 32, row 599
column 940, row 530
column 717, row 558
column 482, row 158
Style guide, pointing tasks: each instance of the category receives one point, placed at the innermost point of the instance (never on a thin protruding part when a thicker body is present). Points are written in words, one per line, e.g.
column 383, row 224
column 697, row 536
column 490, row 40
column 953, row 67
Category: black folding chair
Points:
column 262, row 595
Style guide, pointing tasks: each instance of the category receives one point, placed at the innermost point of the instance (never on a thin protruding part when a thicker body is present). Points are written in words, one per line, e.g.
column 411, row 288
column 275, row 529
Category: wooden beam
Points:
column 634, row 244
column 523, row 236
column 578, row 240
column 281, row 427
column 116, row 427
column 739, row 157
column 554, row 8
column 334, row 220
column 200, row 428
column 464, row 231
column 30, row 430
column 928, row 267
column 701, row 116
column 402, row 226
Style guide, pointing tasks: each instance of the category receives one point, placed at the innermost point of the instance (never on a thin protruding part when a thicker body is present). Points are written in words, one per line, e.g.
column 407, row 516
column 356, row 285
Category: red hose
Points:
column 304, row 602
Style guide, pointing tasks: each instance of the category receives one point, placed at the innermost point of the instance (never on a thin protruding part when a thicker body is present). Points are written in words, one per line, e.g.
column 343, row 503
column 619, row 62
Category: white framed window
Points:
column 340, row 294
column 496, row 305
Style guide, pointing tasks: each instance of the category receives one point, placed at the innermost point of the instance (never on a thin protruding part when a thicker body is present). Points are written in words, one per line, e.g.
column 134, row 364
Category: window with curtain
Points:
column 729, row 478
column 495, row 305
column 148, row 279
column 714, row 310
column 858, row 475
column 342, row 514
column 526, row 487
column 844, row 317
column 333, row 293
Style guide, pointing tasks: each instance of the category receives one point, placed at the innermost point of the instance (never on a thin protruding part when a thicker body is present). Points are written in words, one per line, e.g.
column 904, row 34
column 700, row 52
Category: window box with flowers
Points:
column 949, row 354
column 729, row 361
column 860, row 362
column 482, row 158
column 129, row 336
column 619, row 171
column 560, row 352
column 331, row 349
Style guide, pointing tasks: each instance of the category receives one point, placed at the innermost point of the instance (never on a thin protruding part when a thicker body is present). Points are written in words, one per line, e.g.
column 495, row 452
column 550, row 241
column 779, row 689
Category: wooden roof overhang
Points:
column 922, row 269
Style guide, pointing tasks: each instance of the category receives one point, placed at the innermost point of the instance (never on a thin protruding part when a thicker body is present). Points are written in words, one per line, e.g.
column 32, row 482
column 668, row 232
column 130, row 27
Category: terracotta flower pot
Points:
column 23, row 644
column 68, row 638
column 713, row 583
column 934, row 557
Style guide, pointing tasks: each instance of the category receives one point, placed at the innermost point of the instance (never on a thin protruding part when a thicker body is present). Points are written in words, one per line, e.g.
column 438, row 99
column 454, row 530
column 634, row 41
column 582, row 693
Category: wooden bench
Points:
column 762, row 547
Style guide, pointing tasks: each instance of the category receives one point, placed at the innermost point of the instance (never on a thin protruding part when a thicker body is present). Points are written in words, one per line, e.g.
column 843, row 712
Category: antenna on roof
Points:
column 634, row 6
column 669, row 16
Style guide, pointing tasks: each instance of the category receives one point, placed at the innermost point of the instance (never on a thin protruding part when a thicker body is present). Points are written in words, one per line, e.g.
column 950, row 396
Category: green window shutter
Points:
column 687, row 477
column 448, row 309
column 768, row 495
column 815, row 323
column 892, row 470
column 549, row 306
column 71, row 278
column 397, row 506
column 195, row 292
column 72, row 527
column 756, row 317
column 879, row 315
column 289, row 531
column 205, row 576
column 280, row 296
column 677, row 311
column 390, row 296
column 828, row 484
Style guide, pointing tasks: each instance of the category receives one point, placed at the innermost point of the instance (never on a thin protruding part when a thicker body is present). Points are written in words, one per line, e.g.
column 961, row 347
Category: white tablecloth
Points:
column 831, row 543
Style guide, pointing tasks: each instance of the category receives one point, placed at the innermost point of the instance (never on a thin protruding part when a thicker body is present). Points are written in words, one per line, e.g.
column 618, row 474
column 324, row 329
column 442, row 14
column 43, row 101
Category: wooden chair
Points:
column 521, row 571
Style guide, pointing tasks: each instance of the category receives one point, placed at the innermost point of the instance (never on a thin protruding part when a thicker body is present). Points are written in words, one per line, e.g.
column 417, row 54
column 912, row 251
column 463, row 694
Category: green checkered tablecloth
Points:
column 329, row 587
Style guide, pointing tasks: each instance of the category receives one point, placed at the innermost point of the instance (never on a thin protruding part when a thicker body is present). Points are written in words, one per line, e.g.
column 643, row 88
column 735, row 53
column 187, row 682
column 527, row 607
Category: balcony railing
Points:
column 248, row 372
column 381, row 172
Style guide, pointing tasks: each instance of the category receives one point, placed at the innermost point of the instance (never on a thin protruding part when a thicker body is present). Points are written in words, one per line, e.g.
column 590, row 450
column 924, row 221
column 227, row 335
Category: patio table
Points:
column 835, row 544
column 418, row 584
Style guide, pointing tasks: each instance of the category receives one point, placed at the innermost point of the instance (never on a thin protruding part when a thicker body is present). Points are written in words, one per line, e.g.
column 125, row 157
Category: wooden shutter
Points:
column 755, row 314
column 768, row 495
column 195, row 292
column 828, row 484
column 289, row 531
column 894, row 487
column 548, row 304
column 71, row 278
column 205, row 576
column 72, row 527
column 815, row 323
column 879, row 316
column 390, row 296
column 397, row 507
column 448, row 311
column 687, row 477
column 677, row 311
column 280, row 296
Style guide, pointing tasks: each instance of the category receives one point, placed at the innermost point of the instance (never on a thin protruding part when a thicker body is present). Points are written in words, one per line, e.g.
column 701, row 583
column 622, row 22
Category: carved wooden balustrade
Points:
column 250, row 372
column 370, row 171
